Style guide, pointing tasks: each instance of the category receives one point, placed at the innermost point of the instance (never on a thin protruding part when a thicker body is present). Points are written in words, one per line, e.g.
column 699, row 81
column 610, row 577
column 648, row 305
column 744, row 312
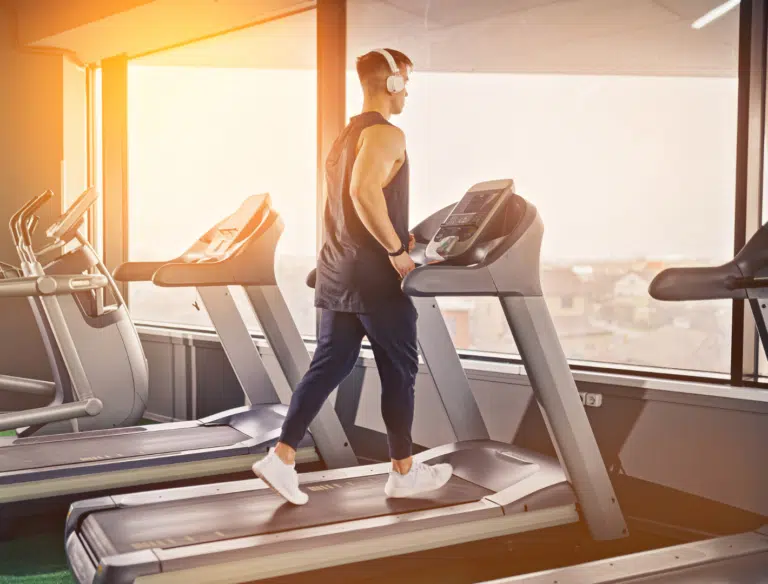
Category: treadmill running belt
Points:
column 64, row 452
column 219, row 517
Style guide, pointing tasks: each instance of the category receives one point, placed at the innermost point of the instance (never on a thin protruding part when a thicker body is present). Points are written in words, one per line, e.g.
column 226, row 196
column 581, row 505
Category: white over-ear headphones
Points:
column 395, row 82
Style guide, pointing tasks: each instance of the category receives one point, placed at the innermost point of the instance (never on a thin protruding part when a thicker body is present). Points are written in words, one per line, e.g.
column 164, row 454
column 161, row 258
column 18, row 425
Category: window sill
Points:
column 615, row 378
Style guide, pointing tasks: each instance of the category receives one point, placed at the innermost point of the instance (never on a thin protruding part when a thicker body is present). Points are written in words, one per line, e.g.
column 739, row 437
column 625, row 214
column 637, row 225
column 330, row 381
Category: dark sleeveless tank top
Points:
column 354, row 273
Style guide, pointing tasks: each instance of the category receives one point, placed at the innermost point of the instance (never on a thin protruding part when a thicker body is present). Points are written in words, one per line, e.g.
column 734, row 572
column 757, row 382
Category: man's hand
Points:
column 411, row 241
column 403, row 264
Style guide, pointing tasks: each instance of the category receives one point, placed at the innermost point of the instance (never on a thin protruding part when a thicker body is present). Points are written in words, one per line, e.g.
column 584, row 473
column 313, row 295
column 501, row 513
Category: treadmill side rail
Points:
column 547, row 488
column 80, row 508
column 125, row 569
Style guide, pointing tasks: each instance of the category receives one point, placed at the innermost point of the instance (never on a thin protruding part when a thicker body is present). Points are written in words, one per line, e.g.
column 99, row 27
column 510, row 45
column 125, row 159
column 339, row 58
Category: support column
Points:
column 331, row 95
column 331, row 88
column 115, row 163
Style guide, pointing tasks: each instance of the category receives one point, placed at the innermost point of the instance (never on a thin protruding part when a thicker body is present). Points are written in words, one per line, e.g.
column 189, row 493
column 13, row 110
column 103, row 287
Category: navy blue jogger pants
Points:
column 392, row 334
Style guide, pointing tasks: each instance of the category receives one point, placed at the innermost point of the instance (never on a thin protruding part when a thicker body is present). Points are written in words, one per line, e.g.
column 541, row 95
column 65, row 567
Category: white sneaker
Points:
column 420, row 479
column 280, row 477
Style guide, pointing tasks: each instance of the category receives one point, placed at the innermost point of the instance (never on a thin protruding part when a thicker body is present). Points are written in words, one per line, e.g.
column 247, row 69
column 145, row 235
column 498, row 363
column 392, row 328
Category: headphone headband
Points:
column 390, row 60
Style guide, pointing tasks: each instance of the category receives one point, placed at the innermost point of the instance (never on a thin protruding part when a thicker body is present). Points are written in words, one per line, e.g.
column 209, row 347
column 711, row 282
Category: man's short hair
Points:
column 371, row 64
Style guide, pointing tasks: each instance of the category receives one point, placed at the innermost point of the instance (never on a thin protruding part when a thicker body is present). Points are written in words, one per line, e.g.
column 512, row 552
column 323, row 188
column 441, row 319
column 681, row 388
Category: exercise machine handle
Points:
column 51, row 285
column 23, row 220
column 49, row 414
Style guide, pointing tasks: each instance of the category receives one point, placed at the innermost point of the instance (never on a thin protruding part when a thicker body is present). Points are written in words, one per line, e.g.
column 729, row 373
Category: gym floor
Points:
column 35, row 557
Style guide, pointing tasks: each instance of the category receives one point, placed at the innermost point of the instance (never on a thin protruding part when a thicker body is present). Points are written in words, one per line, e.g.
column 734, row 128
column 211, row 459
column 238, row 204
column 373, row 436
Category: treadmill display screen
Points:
column 73, row 214
column 468, row 215
column 478, row 202
column 460, row 220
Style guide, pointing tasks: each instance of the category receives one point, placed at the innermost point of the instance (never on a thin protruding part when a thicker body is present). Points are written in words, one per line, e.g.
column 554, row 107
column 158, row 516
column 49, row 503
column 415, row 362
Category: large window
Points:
column 209, row 125
column 616, row 119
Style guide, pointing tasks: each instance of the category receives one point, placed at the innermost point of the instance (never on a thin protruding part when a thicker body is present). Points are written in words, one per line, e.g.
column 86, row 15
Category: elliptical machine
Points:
column 94, row 385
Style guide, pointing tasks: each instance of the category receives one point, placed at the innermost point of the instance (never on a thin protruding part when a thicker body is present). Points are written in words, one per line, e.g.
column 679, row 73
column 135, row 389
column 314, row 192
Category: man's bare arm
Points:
column 381, row 148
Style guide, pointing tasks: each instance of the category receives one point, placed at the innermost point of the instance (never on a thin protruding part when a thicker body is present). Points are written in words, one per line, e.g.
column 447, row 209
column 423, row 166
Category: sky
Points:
column 619, row 167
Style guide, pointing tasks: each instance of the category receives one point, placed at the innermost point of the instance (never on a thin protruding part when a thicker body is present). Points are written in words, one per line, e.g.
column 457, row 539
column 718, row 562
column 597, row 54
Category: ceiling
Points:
column 94, row 30
column 601, row 37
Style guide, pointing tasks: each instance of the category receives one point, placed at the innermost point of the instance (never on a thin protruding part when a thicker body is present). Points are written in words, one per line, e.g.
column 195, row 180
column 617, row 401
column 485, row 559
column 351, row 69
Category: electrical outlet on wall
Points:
column 592, row 400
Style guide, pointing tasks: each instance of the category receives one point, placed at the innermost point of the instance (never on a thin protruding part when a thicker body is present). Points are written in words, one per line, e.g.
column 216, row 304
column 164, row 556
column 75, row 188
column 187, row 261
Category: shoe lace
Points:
column 424, row 469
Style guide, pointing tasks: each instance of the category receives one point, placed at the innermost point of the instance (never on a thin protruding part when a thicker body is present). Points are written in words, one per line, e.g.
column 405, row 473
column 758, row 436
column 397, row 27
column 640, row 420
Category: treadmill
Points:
column 487, row 245
column 740, row 558
column 239, row 250
column 106, row 342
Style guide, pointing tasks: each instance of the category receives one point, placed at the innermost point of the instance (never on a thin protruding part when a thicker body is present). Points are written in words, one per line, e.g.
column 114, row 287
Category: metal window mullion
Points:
column 331, row 95
column 749, row 169
column 90, row 155
column 92, row 226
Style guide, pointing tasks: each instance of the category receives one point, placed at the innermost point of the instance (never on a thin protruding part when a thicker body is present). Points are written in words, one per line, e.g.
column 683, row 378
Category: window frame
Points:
column 331, row 118
column 748, row 196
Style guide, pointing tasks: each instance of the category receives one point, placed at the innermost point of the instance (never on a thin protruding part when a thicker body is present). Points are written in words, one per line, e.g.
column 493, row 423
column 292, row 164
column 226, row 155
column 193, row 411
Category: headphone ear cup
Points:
column 395, row 83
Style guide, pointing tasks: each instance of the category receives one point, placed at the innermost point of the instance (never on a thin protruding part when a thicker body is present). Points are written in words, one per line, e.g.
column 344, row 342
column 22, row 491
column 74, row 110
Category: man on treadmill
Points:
column 359, row 269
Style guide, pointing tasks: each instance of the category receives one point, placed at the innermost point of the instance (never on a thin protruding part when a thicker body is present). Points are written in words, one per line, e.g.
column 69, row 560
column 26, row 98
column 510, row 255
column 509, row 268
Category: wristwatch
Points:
column 398, row 252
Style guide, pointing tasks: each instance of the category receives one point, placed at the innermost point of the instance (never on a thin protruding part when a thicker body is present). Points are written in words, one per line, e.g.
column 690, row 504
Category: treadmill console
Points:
column 69, row 222
column 228, row 231
column 465, row 224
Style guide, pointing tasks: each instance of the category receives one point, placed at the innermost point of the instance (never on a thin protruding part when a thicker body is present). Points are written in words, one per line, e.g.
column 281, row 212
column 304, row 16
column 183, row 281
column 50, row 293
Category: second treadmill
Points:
column 239, row 250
